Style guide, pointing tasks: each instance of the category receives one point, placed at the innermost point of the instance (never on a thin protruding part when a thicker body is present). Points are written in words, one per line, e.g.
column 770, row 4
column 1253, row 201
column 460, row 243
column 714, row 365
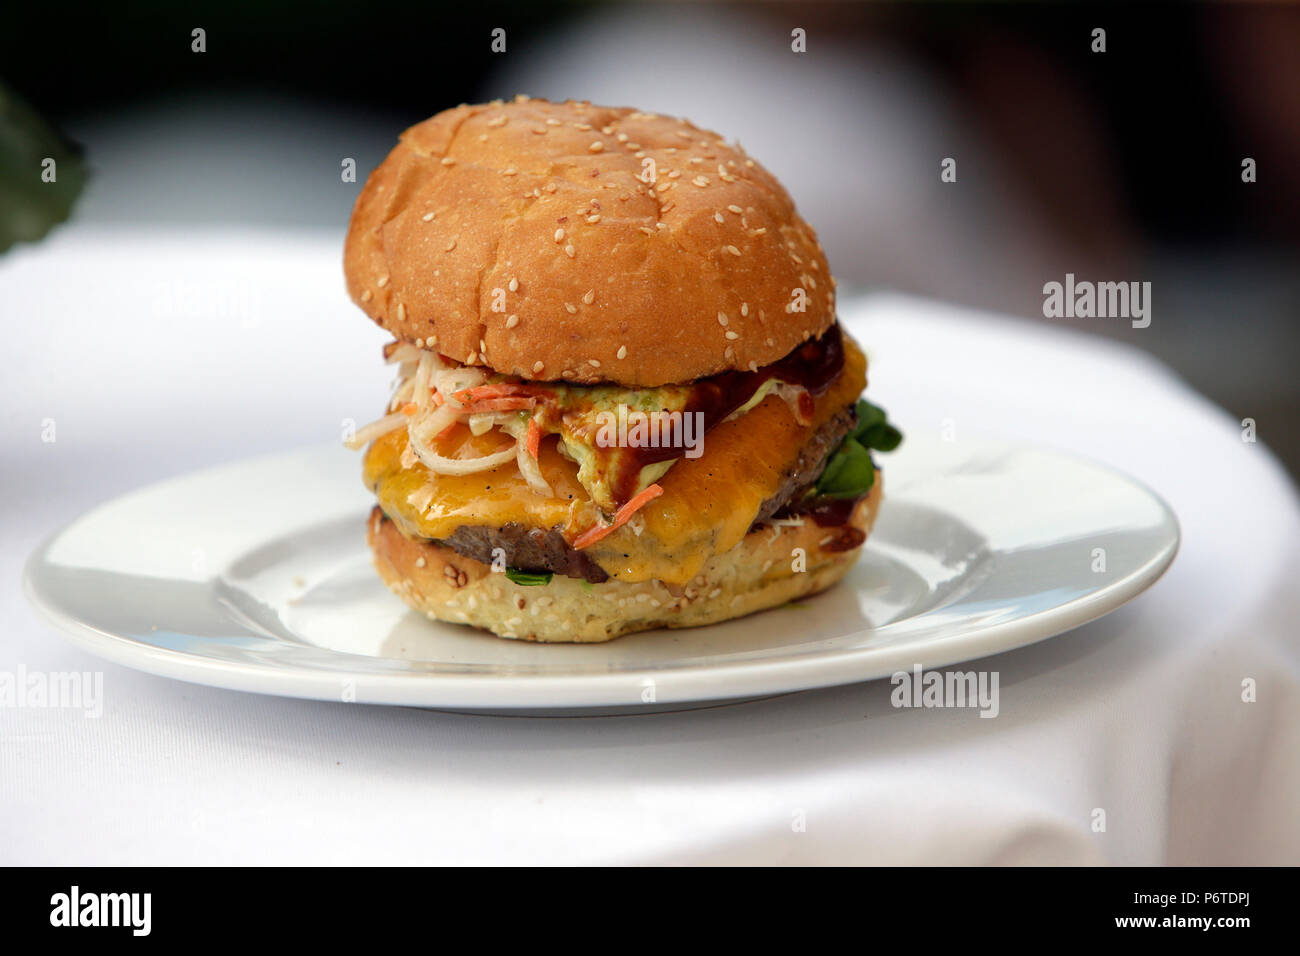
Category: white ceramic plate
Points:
column 256, row 576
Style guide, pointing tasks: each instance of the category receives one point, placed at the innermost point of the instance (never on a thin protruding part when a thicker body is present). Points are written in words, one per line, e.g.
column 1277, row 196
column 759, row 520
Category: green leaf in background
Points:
column 529, row 578
column 34, row 194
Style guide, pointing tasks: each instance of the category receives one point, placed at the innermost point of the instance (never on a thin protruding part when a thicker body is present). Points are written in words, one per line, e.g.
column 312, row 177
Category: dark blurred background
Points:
column 1122, row 165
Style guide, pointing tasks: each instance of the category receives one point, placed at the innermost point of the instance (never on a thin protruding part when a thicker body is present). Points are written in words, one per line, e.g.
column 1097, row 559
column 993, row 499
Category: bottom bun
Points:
column 757, row 574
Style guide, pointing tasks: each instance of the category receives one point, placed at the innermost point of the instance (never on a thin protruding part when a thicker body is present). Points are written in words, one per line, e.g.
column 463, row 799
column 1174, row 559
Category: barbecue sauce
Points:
column 814, row 365
column 835, row 513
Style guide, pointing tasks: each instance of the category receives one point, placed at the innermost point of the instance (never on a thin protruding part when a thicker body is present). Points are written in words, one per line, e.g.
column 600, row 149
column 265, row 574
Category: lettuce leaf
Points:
column 850, row 471
column 529, row 578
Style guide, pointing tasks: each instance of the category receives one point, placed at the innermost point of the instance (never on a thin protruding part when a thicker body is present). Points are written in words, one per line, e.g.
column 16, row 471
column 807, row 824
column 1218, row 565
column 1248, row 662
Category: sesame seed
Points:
column 482, row 348
column 733, row 250
column 761, row 231
column 590, row 297
column 732, row 335
column 744, row 308
column 427, row 217
column 570, row 308
column 595, row 363
column 420, row 562
column 674, row 173
column 770, row 342
column 401, row 312
column 540, row 130
column 647, row 230
column 497, row 121
column 447, row 161
column 622, row 351
column 722, row 319
column 736, row 209
column 514, row 284
column 471, row 358
column 431, row 341
column 714, row 593
column 701, row 181
column 559, row 234
column 509, row 172
column 367, row 296
column 552, row 122
column 730, row 353
column 585, row 127
column 549, row 187
column 511, row 321
column 594, row 218
column 596, row 147
column 383, row 281
column 452, row 244
column 569, row 250
column 537, row 367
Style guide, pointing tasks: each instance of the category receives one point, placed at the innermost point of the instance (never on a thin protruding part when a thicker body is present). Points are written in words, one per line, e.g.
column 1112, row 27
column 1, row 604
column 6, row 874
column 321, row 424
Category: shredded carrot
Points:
column 498, row 390
column 500, row 405
column 596, row 532
column 533, row 440
column 438, row 400
column 409, row 409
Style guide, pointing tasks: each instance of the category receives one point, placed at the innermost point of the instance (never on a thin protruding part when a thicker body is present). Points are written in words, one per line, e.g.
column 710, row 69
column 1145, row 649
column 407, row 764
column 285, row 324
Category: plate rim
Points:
column 743, row 679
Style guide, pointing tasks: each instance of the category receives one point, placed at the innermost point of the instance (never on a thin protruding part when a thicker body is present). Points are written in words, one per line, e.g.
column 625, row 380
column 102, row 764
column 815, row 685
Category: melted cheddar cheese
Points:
column 707, row 506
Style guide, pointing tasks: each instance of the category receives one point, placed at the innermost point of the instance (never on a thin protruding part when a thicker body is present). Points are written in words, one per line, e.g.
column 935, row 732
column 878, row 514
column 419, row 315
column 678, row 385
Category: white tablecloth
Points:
column 156, row 353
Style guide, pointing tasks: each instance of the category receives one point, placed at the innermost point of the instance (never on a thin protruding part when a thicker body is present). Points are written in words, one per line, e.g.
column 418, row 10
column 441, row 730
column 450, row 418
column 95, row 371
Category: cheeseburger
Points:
column 623, row 400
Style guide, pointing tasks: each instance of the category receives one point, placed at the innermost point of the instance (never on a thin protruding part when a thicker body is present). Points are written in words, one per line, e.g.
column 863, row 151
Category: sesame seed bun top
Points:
column 585, row 243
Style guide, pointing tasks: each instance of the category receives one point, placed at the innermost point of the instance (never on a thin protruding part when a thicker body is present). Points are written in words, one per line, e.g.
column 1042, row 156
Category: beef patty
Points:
column 538, row 550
